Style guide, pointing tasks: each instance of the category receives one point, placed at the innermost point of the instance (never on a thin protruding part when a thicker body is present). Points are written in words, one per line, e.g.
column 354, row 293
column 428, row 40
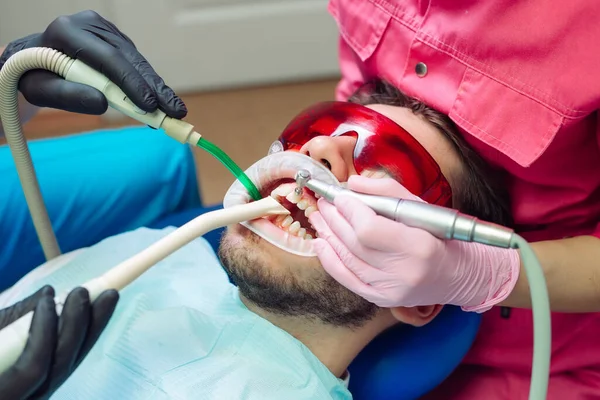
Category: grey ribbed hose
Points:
column 10, row 74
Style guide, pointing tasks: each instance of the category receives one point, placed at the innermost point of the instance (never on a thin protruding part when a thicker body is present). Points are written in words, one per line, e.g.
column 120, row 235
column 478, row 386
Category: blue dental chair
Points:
column 104, row 183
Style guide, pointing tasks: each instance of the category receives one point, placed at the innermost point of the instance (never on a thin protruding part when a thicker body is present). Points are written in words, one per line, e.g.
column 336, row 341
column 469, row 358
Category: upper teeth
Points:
column 282, row 191
column 302, row 204
column 302, row 201
column 293, row 197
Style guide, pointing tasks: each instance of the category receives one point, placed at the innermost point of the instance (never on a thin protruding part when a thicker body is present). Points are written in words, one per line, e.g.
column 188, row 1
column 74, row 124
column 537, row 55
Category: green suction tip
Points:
column 231, row 166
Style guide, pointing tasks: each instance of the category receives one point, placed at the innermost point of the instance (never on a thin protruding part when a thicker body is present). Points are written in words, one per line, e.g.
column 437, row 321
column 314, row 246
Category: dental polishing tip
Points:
column 302, row 176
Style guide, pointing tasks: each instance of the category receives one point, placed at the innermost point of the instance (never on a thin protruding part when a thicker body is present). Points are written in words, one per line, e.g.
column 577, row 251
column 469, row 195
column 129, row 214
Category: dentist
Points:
column 515, row 78
column 58, row 344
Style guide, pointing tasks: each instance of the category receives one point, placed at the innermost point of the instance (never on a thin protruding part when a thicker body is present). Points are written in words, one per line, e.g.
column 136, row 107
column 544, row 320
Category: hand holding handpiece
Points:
column 392, row 264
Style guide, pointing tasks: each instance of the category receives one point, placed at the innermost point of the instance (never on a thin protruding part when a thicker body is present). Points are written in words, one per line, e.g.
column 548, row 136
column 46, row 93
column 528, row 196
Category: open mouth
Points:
column 300, row 207
column 274, row 176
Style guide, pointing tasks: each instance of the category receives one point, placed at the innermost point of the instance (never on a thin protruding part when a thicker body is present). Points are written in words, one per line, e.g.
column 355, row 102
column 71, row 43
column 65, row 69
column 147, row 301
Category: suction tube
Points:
column 220, row 155
column 76, row 71
column 13, row 338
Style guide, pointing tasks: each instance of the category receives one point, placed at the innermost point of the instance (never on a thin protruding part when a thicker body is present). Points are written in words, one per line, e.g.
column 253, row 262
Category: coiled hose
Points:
column 10, row 74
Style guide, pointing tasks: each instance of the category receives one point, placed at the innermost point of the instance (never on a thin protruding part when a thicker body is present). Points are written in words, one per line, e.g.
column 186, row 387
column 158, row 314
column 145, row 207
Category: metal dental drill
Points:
column 302, row 177
column 444, row 223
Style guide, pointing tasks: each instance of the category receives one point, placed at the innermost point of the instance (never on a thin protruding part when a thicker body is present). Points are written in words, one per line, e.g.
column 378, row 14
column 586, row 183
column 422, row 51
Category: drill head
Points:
column 302, row 176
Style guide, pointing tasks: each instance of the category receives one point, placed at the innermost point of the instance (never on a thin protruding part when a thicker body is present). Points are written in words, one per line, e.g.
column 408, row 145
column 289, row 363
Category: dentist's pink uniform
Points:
column 521, row 79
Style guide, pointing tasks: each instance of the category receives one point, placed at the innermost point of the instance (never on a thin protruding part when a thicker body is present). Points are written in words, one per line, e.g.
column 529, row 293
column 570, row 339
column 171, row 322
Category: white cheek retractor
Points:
column 276, row 166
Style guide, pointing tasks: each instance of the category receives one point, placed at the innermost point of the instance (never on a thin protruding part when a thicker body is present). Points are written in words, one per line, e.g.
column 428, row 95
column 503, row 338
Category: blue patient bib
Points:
column 181, row 332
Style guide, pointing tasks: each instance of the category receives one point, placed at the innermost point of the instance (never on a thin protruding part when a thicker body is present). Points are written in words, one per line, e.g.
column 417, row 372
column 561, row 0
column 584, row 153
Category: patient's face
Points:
column 283, row 283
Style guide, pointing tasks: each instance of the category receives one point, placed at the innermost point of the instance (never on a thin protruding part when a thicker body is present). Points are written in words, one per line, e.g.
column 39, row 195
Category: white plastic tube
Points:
column 75, row 71
column 13, row 338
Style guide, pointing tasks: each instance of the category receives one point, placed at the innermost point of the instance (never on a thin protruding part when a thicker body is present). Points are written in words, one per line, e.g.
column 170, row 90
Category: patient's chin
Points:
column 279, row 286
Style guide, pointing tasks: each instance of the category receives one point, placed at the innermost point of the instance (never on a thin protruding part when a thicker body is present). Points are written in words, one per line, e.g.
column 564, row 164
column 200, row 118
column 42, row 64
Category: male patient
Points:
column 288, row 330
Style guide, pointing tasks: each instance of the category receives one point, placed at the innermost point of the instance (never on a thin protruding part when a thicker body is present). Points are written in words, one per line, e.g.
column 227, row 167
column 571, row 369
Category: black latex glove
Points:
column 97, row 42
column 56, row 345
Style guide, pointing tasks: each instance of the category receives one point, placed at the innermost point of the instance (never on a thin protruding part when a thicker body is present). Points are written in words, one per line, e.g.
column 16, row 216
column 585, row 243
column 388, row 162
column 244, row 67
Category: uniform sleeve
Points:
column 351, row 68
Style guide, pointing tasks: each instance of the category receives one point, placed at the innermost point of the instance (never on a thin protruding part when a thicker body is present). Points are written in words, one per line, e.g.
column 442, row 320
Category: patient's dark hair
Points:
column 480, row 191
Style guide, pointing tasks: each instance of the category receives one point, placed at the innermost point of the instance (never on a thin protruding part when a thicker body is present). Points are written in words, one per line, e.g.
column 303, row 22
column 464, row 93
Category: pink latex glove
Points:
column 391, row 264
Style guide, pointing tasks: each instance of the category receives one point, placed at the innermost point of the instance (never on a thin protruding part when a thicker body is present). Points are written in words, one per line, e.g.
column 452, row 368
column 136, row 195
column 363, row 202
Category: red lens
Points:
column 381, row 145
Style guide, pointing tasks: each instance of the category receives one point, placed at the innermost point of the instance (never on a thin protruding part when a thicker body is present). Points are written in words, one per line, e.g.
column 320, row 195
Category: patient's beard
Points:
column 279, row 291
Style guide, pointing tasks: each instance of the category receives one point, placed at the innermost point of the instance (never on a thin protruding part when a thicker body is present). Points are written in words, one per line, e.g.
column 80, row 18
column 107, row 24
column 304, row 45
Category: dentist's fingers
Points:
column 46, row 89
column 114, row 63
column 381, row 187
column 17, row 310
column 30, row 371
column 341, row 227
column 102, row 310
column 360, row 229
column 72, row 329
column 348, row 259
column 336, row 268
column 168, row 101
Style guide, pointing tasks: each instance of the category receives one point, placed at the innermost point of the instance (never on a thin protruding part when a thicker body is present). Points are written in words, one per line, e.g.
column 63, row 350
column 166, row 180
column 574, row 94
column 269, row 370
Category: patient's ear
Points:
column 416, row 316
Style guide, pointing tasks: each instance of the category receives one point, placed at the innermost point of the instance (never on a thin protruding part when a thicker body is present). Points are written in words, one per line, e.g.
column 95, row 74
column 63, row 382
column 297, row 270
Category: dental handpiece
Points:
column 443, row 223
column 181, row 131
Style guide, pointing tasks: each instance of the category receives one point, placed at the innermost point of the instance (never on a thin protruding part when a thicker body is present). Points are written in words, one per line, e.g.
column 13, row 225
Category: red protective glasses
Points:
column 381, row 144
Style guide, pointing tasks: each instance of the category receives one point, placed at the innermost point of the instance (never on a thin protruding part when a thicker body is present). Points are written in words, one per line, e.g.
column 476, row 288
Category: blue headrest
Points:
column 405, row 362
column 402, row 363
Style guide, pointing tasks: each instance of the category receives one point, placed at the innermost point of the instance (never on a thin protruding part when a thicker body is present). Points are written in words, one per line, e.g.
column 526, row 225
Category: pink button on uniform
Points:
column 522, row 82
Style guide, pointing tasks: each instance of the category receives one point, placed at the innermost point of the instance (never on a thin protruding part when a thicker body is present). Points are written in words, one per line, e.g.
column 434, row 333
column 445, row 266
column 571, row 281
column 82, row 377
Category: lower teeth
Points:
column 287, row 224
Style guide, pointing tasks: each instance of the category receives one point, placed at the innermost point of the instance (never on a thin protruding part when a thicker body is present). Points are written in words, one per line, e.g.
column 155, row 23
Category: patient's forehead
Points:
column 434, row 141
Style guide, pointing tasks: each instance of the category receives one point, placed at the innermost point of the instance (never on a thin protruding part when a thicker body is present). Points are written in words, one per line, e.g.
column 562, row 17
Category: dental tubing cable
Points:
column 76, row 71
column 542, row 327
column 13, row 338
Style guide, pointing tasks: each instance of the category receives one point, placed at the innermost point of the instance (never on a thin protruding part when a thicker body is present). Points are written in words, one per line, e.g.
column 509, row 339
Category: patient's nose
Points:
column 336, row 153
